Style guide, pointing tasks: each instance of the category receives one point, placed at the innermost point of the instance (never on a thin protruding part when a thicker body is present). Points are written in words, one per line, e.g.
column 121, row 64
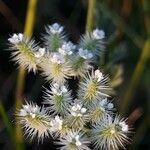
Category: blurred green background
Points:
column 126, row 59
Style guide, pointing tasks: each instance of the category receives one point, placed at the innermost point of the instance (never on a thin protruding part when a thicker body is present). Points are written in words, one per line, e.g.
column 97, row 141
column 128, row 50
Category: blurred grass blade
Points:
column 8, row 126
column 90, row 15
column 135, row 77
column 145, row 55
column 30, row 19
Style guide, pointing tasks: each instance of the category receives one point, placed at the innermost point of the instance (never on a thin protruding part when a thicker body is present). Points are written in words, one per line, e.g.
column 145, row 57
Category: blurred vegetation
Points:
column 126, row 59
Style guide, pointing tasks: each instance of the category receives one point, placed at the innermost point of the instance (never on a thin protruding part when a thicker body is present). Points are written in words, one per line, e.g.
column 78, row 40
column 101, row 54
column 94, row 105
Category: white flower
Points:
column 56, row 28
column 98, row 75
column 58, row 89
column 57, row 58
column 85, row 53
column 110, row 105
column 73, row 140
column 98, row 34
column 77, row 110
column 16, row 38
column 56, row 124
column 124, row 126
column 106, row 104
column 39, row 53
column 67, row 48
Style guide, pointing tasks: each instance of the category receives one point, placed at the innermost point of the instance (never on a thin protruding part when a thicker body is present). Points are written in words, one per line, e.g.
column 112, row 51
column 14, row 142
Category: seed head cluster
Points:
column 81, row 122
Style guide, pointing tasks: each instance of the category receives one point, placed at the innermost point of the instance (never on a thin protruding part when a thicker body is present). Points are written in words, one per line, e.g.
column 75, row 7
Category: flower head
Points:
column 57, row 58
column 78, row 110
column 24, row 51
column 55, row 68
column 58, row 99
column 67, row 48
column 94, row 87
column 98, row 75
column 56, row 28
column 40, row 52
column 84, row 53
column 16, row 38
column 34, row 120
column 110, row 133
column 56, row 124
column 78, row 116
column 100, row 109
column 74, row 140
column 98, row 34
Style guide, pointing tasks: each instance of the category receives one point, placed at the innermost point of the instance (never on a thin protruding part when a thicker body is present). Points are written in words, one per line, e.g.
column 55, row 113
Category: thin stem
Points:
column 8, row 126
column 30, row 19
column 90, row 15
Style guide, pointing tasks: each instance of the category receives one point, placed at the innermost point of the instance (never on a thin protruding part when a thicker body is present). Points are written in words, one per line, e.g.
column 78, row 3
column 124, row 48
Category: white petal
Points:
column 83, row 110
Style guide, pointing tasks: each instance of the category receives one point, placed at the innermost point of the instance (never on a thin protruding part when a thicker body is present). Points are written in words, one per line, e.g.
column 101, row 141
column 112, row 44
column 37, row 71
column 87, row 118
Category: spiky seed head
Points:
column 54, row 37
column 80, row 66
column 58, row 99
column 93, row 42
column 100, row 109
column 78, row 116
column 94, row 87
column 74, row 140
column 55, row 68
column 110, row 133
column 23, row 51
column 34, row 120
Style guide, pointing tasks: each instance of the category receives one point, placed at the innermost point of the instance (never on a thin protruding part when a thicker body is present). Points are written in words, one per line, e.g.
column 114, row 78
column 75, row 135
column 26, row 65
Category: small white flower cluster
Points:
column 105, row 104
column 74, row 140
column 98, row 75
column 68, row 116
column 56, row 28
column 40, row 52
column 84, row 53
column 124, row 126
column 98, row 34
column 56, row 124
column 58, row 90
column 78, row 110
column 67, row 48
column 16, row 38
column 31, row 110
column 57, row 58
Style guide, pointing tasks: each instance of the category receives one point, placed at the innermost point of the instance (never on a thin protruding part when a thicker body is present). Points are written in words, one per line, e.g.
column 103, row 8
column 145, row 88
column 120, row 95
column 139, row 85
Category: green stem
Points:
column 90, row 15
column 8, row 126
